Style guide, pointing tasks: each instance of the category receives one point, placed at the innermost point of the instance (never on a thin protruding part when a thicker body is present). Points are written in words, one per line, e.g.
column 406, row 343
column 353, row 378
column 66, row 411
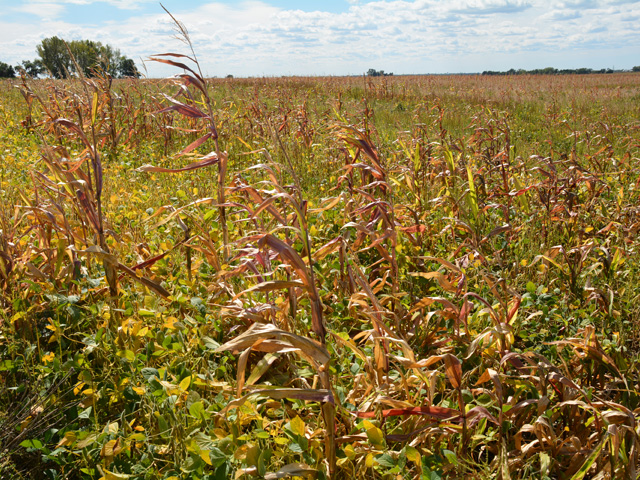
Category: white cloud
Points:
column 254, row 38
column 44, row 10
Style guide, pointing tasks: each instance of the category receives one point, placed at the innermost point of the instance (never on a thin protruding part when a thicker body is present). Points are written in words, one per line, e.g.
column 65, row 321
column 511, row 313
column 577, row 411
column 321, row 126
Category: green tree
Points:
column 88, row 57
column 55, row 57
column 127, row 68
column 31, row 68
column 6, row 70
column 636, row 69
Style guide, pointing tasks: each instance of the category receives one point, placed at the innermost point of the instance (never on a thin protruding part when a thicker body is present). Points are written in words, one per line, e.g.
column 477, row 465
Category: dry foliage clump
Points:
column 406, row 277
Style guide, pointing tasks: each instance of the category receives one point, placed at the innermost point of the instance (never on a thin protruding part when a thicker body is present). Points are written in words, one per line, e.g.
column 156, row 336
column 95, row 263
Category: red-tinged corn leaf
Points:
column 268, row 202
column 414, row 229
column 176, row 55
column 185, row 110
column 328, row 248
column 255, row 196
column 151, row 261
column 89, row 210
column 564, row 380
column 288, row 255
column 478, row 413
column 362, row 142
column 76, row 128
column 175, row 64
column 192, row 146
column 515, row 359
column 191, row 80
column 494, row 315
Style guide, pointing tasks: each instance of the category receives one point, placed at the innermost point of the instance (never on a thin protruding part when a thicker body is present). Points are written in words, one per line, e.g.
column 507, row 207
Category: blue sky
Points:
column 340, row 37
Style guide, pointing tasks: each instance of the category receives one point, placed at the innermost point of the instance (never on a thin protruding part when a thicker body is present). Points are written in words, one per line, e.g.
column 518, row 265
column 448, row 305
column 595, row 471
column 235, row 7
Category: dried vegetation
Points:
column 406, row 277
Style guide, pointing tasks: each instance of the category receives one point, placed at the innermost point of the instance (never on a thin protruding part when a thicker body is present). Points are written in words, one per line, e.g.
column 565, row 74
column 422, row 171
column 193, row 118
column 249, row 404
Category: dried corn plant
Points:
column 397, row 278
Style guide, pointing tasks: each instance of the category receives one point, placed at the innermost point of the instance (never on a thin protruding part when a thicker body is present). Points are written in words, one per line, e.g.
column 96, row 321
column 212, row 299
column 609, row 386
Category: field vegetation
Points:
column 392, row 277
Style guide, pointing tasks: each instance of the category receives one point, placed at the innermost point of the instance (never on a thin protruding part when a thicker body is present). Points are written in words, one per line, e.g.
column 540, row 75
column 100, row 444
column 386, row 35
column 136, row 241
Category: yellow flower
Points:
column 48, row 357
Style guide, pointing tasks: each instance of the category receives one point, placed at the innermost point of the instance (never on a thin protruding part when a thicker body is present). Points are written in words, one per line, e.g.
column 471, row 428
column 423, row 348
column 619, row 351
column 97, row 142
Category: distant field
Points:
column 417, row 277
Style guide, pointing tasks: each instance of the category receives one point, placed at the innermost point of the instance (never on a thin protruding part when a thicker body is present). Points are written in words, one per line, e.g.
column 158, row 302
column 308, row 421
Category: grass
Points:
column 426, row 277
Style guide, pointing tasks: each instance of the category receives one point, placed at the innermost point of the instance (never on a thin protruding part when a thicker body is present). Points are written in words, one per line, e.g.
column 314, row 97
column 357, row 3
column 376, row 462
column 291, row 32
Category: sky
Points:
column 339, row 37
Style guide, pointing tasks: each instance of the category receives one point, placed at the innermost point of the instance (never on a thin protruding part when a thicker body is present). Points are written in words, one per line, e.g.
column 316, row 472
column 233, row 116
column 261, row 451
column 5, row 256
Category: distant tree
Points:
column 54, row 57
column 127, row 68
column 31, row 68
column 57, row 57
column 6, row 70
column 636, row 69
column 372, row 72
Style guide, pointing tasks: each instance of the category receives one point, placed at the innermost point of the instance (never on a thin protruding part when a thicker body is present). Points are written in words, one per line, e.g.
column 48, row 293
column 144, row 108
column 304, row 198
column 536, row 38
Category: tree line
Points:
column 58, row 58
column 555, row 71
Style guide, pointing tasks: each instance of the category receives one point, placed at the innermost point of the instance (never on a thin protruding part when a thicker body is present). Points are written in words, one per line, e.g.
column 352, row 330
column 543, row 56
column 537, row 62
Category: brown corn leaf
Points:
column 426, row 301
column 210, row 159
column 595, row 353
column 443, row 262
column 260, row 332
column 156, row 287
column 442, row 280
column 497, row 231
column 328, row 248
column 438, row 412
column 257, row 198
column 307, row 394
column 453, row 369
column 288, row 255
column 270, row 286
column 242, row 366
column 292, row 470
column 150, row 261
column 478, row 413
column 491, row 374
